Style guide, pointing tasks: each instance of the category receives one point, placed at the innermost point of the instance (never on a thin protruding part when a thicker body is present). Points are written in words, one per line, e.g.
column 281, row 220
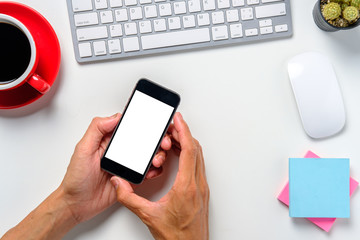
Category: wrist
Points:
column 52, row 219
column 62, row 210
column 58, row 215
column 179, row 230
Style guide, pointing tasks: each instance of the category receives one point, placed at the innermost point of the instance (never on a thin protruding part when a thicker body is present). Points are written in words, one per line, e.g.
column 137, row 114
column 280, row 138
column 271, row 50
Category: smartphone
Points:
column 140, row 131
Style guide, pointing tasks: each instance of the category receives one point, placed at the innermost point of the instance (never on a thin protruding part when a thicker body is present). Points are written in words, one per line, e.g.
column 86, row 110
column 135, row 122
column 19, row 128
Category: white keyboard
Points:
column 112, row 29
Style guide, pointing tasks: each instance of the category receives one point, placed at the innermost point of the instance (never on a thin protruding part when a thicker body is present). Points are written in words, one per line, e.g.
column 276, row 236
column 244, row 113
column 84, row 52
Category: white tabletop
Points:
column 239, row 104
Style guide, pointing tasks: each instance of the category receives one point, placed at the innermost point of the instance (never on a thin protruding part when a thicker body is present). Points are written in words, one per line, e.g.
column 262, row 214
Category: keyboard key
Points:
column 130, row 2
column 145, row 27
column 269, row 1
column 175, row 38
column 179, row 7
column 232, row 15
column 189, row 21
column 253, row 2
column 270, row 10
column 266, row 30
column 106, row 17
column 86, row 19
column 115, row 30
column 281, row 28
column 203, row 19
column 194, row 6
column 150, row 11
column 236, row 30
column 99, row 48
column 121, row 15
column 238, row 3
column 136, row 13
column 130, row 28
column 115, row 3
column 159, row 25
column 145, row 1
column 209, row 5
column 251, row 32
column 217, row 17
column 220, row 33
column 223, row 4
column 174, row 23
column 93, row 33
column 101, row 4
column 165, row 9
column 85, row 50
column 247, row 14
column 265, row 23
column 114, row 46
column 131, row 44
column 81, row 5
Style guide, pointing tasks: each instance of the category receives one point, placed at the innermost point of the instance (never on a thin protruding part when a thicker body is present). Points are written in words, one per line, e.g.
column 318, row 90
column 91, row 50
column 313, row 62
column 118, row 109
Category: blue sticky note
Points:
column 319, row 187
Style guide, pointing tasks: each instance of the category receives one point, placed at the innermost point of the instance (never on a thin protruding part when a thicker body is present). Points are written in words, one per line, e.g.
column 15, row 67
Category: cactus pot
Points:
column 324, row 25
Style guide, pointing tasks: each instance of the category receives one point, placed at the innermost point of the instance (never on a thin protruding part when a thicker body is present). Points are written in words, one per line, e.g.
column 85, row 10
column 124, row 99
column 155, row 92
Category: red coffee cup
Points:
column 27, row 74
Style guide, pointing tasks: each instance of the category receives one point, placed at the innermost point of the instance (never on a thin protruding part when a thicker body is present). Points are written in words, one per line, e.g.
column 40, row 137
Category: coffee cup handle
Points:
column 39, row 84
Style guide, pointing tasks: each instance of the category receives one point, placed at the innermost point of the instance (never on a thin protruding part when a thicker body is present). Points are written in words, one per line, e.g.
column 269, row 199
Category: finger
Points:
column 202, row 163
column 98, row 128
column 159, row 159
column 154, row 173
column 104, row 143
column 166, row 143
column 174, row 133
column 187, row 160
column 169, row 128
column 183, row 133
column 199, row 163
column 176, row 147
column 174, row 137
column 127, row 197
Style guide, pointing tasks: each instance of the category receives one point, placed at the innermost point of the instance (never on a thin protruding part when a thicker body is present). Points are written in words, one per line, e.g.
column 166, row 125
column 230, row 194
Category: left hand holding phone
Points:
column 87, row 188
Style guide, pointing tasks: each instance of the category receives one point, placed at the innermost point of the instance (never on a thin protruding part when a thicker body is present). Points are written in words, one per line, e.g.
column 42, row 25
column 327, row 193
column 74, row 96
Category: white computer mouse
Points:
column 317, row 94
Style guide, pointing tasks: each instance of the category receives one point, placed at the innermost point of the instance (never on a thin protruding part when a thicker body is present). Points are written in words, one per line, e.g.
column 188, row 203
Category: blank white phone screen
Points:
column 139, row 132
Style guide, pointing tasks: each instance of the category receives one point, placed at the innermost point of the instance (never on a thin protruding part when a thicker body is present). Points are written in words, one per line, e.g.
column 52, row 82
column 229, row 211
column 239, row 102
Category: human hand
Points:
column 87, row 189
column 183, row 212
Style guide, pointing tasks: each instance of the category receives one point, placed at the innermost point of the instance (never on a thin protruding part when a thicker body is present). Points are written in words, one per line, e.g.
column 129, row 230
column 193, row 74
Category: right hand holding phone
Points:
column 183, row 212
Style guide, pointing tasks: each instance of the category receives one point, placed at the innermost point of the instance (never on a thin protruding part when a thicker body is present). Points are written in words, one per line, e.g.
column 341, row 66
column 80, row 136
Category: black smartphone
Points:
column 140, row 131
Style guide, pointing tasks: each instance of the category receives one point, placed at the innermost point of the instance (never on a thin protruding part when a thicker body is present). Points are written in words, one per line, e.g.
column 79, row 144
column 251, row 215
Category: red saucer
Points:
column 48, row 48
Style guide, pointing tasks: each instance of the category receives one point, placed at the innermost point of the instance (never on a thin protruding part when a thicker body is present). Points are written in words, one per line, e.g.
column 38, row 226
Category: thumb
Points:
column 98, row 128
column 126, row 196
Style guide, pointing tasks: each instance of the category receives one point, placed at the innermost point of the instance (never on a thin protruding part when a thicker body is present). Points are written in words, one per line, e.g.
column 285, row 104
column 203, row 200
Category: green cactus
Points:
column 331, row 11
column 341, row 13
column 343, row 6
column 355, row 3
column 351, row 13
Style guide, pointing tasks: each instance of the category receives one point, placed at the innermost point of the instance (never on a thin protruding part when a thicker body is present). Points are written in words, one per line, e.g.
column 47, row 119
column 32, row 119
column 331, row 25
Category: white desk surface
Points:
column 239, row 104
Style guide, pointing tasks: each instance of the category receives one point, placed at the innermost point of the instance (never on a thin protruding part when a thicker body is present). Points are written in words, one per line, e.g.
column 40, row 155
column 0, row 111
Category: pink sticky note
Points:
column 323, row 223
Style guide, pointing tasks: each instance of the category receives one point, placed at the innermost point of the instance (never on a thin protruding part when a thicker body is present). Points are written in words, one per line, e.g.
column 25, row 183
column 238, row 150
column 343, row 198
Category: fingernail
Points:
column 114, row 182
column 150, row 175
column 157, row 161
column 180, row 116
column 161, row 159
column 114, row 116
column 167, row 139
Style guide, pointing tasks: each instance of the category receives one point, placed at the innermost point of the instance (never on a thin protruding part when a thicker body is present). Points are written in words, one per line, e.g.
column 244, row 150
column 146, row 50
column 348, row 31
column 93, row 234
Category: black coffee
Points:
column 15, row 53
